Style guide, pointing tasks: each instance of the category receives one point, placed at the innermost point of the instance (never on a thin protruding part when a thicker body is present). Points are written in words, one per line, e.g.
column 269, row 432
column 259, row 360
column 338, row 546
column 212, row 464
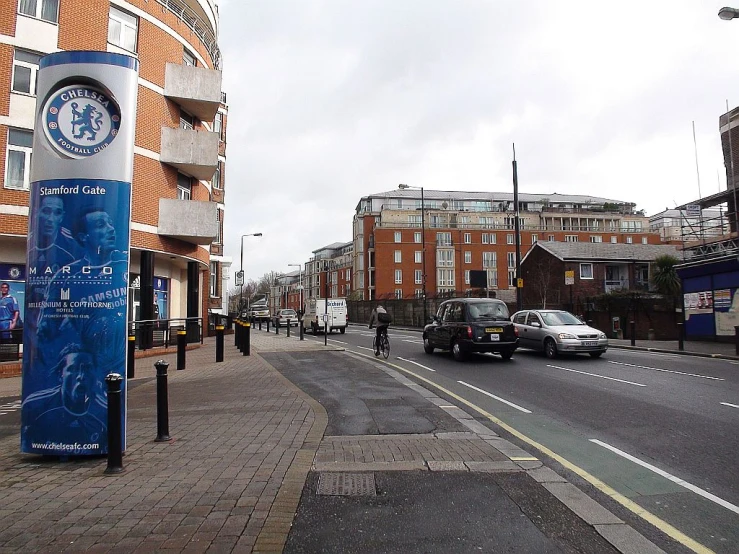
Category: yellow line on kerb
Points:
column 660, row 524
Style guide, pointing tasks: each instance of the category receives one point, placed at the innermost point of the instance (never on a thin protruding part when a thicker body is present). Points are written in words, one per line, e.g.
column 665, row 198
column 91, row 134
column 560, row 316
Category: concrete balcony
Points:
column 196, row 89
column 188, row 220
column 192, row 152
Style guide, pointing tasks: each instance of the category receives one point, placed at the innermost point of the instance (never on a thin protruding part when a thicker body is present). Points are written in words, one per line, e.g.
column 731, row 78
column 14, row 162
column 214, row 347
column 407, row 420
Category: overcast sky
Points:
column 332, row 100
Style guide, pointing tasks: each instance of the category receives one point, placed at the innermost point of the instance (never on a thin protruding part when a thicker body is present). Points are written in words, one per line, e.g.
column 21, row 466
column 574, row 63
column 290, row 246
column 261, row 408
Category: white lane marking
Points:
column 414, row 341
column 729, row 405
column 498, row 398
column 595, row 375
column 616, row 350
column 339, row 341
column 677, row 480
column 365, row 348
column 666, row 370
column 416, row 363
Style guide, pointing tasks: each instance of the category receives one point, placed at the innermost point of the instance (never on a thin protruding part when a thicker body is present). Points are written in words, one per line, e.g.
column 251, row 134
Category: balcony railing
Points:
column 196, row 24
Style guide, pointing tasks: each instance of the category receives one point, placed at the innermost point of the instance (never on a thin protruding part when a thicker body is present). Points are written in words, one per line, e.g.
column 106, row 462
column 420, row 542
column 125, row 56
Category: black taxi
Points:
column 464, row 325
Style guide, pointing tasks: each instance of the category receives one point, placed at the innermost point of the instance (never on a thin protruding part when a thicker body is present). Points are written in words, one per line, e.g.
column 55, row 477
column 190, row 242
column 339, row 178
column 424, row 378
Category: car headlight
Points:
column 566, row 336
column 602, row 336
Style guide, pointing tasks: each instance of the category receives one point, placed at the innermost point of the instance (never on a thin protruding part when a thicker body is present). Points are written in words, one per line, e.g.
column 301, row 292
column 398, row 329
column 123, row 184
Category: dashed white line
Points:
column 729, row 405
column 596, row 375
column 498, row 398
column 677, row 480
column 416, row 363
column 666, row 370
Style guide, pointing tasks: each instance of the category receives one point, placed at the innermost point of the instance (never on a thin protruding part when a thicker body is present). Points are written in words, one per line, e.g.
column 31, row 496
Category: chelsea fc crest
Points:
column 81, row 120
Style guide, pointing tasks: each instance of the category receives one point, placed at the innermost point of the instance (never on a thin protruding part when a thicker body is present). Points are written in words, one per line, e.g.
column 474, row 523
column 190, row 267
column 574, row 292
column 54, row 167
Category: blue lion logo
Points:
column 89, row 120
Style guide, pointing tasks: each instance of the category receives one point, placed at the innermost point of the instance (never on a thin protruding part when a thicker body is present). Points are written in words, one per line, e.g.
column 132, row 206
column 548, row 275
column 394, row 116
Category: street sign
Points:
column 570, row 277
column 519, row 283
column 239, row 278
column 693, row 210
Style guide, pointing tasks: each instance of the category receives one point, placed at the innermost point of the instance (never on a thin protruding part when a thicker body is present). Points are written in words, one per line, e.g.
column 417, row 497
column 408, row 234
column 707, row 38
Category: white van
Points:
column 315, row 310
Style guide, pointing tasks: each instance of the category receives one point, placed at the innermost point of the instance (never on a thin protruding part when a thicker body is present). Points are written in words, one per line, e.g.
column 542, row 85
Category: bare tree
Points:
column 541, row 275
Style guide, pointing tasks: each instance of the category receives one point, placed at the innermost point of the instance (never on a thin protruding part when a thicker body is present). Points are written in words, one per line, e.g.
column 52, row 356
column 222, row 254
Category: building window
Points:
column 534, row 238
column 596, row 238
column 492, row 278
column 122, row 29
column 186, row 121
column 468, row 257
column 417, row 238
column 218, row 227
column 218, row 126
column 644, row 240
column 184, row 187
column 215, row 182
column 446, row 277
column 445, row 258
column 466, row 276
column 489, row 259
column 48, row 10
column 570, row 238
column 418, row 277
column 493, row 238
column 213, row 279
column 399, row 293
column 586, row 271
column 398, row 257
column 398, row 276
column 398, row 236
column 419, row 293
column 512, row 277
column 511, row 259
column 188, row 58
column 509, row 239
column 25, row 72
column 18, row 159
column 348, row 274
column 629, row 240
column 418, row 257
column 550, row 238
column 468, row 238
column 614, row 240
column 485, row 238
column 444, row 239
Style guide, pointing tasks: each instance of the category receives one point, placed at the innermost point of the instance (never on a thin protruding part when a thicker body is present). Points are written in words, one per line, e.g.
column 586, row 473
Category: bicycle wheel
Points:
column 385, row 346
column 374, row 346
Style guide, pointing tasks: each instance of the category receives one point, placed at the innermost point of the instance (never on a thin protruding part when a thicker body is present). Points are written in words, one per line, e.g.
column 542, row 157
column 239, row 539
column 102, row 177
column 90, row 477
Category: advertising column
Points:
column 78, row 250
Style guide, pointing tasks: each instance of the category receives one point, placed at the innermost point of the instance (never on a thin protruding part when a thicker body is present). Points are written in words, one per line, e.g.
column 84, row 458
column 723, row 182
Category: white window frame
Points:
column 26, row 151
column 215, row 182
column 467, row 257
column 485, row 238
column 596, row 238
column 444, row 258
column 444, row 239
column 571, row 238
column 398, row 236
column 550, row 238
column 417, row 238
column 218, row 125
column 509, row 239
column 512, row 277
column 127, row 22
column 188, row 58
column 489, row 260
column 446, row 277
column 418, row 257
column 213, row 279
column 644, row 240
column 418, row 277
column 182, row 192
column 32, row 67
column 534, row 238
column 511, row 259
column 614, row 240
column 586, row 271
column 398, row 257
column 218, row 227
column 492, row 275
column 399, row 294
column 398, row 276
column 466, row 276
column 468, row 238
column 38, row 12
column 629, row 240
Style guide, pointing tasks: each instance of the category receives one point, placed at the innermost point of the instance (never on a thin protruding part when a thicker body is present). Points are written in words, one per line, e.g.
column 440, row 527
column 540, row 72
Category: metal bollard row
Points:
column 115, row 427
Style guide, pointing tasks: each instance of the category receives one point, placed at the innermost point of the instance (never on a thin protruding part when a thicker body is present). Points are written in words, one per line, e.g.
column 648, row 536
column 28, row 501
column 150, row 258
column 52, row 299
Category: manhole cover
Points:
column 347, row 484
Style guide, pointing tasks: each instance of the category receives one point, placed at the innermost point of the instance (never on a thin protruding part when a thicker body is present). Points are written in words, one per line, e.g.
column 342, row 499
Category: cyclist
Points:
column 382, row 319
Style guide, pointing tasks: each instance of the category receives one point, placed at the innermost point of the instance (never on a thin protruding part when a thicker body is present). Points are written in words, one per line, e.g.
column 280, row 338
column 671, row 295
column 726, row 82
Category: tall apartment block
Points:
column 408, row 240
column 177, row 265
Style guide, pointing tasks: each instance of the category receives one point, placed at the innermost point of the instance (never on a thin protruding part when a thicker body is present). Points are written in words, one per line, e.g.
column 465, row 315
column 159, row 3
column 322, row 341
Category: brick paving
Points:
column 243, row 441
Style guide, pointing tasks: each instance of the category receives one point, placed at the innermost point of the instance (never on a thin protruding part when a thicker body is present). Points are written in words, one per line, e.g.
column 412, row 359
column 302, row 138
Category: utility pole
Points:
column 517, row 227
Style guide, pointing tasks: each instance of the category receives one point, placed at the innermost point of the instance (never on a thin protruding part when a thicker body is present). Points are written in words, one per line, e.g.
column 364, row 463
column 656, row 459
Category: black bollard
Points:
column 115, row 440
column 237, row 328
column 247, row 340
column 181, row 347
column 302, row 329
column 632, row 330
column 260, row 324
column 268, row 325
column 130, row 365
column 680, row 337
column 288, row 327
column 277, row 327
column 162, row 402
column 219, row 343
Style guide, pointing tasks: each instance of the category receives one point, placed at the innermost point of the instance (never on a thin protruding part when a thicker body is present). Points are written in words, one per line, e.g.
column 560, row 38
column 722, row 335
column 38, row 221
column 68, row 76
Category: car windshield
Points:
column 481, row 311
column 287, row 312
column 559, row 318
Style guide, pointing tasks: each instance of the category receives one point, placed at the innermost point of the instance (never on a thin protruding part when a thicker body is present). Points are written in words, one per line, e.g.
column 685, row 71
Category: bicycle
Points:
column 384, row 345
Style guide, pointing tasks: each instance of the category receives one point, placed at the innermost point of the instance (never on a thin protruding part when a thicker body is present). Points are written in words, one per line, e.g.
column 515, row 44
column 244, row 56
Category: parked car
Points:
column 259, row 312
column 558, row 332
column 464, row 325
column 284, row 315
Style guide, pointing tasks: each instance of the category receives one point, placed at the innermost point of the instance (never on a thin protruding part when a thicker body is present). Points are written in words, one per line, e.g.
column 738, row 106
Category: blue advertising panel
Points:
column 12, row 301
column 77, row 254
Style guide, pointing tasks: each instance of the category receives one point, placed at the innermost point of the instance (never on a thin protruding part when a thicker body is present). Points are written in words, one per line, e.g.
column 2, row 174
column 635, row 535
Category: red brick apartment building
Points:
column 396, row 237
column 177, row 262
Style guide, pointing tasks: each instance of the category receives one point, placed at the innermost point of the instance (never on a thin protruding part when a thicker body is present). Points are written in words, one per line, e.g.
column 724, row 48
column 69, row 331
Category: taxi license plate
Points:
column 493, row 329
column 590, row 343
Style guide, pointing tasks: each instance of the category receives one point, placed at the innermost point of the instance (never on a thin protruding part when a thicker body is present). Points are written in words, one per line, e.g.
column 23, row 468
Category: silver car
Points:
column 558, row 332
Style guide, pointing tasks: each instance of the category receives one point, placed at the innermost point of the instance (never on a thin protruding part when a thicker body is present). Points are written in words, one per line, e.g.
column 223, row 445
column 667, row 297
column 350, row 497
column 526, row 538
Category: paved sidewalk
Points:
column 244, row 441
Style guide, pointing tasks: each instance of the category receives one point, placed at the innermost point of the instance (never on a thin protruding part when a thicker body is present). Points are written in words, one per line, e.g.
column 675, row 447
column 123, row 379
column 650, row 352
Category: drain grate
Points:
column 347, row 484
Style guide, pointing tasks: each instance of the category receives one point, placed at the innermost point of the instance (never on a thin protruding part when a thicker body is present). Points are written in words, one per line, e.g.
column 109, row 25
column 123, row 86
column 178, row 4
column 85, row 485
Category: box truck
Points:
column 318, row 315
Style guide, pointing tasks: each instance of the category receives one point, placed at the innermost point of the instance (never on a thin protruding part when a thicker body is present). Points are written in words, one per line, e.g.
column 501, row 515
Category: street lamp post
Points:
column 423, row 247
column 300, row 284
column 241, row 268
